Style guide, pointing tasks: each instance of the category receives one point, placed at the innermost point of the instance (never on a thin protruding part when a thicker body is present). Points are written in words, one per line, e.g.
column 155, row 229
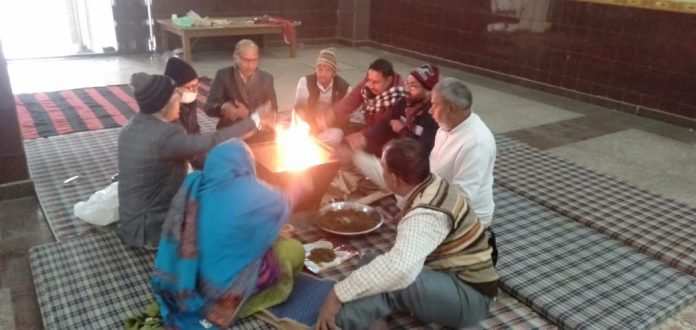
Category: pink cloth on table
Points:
column 288, row 26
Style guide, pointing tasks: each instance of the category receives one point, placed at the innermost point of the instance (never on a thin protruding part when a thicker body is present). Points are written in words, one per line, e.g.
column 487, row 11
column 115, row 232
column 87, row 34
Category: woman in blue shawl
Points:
column 219, row 256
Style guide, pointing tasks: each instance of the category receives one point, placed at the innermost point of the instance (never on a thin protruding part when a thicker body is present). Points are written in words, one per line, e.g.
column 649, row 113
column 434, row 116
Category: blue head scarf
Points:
column 220, row 224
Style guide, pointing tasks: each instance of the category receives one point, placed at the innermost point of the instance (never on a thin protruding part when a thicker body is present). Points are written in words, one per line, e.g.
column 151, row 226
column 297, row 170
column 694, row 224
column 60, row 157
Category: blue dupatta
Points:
column 219, row 229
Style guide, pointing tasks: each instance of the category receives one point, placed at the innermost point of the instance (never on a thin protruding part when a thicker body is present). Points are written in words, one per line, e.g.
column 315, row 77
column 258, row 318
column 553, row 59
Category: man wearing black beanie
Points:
column 152, row 154
column 186, row 80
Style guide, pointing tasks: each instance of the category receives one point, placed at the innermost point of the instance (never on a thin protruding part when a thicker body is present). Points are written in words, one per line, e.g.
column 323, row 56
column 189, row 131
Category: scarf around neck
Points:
column 414, row 110
column 378, row 103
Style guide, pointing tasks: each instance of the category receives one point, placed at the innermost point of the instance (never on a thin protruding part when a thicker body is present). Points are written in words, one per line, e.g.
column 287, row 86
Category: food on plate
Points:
column 348, row 220
column 321, row 255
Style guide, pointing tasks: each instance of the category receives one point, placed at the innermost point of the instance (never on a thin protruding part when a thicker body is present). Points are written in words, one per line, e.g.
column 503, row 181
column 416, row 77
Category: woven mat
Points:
column 502, row 143
column 89, row 155
column 685, row 319
column 577, row 278
column 659, row 227
column 506, row 312
column 92, row 156
column 94, row 282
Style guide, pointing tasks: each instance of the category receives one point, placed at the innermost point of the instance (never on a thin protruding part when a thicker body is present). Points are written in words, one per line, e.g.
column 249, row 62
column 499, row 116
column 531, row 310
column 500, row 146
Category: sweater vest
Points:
column 465, row 251
column 338, row 90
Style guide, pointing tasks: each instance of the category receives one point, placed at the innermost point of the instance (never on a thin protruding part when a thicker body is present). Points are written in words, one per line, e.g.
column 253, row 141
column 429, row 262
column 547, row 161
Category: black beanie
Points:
column 152, row 92
column 180, row 71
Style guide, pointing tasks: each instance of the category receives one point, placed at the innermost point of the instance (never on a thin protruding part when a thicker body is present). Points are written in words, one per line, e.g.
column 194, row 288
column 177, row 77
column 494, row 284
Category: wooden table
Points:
column 238, row 26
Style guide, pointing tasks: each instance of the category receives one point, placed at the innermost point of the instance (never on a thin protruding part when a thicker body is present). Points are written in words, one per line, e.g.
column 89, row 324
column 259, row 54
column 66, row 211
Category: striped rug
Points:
column 85, row 109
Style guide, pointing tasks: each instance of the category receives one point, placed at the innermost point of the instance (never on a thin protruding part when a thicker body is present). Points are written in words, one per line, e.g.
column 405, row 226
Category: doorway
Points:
column 55, row 28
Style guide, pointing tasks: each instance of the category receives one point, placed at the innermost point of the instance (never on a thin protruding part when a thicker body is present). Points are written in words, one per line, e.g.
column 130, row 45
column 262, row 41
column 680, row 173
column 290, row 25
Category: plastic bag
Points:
column 101, row 208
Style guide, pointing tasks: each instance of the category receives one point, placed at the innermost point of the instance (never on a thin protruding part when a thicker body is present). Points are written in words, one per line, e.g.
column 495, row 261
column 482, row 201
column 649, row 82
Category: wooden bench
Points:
column 236, row 26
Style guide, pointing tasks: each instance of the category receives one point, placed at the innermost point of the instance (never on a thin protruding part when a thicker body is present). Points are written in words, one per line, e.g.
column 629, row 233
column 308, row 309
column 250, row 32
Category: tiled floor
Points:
column 22, row 226
column 650, row 154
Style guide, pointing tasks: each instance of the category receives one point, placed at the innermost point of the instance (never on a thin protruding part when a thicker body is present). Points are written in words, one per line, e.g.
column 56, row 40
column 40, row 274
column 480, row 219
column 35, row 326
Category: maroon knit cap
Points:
column 427, row 74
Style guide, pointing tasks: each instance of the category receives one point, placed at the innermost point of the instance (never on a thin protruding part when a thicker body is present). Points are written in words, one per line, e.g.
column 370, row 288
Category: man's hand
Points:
column 344, row 154
column 241, row 110
column 266, row 114
column 234, row 111
column 328, row 312
column 357, row 141
column 396, row 125
column 226, row 109
column 324, row 119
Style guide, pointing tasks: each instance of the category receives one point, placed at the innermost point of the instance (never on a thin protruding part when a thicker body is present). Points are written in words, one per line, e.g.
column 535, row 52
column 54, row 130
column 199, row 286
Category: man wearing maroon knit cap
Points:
column 409, row 117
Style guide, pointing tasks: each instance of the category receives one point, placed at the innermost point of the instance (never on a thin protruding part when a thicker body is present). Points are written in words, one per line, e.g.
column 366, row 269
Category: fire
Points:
column 296, row 149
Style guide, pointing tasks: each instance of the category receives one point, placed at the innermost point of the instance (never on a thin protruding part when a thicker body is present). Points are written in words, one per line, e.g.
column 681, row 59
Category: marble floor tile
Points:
column 650, row 161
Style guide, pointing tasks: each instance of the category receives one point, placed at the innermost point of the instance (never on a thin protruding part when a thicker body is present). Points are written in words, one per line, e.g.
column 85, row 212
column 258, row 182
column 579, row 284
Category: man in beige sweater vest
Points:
column 440, row 267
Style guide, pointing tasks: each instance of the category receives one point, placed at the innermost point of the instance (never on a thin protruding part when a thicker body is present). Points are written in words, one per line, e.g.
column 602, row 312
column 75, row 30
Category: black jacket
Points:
column 224, row 88
column 379, row 134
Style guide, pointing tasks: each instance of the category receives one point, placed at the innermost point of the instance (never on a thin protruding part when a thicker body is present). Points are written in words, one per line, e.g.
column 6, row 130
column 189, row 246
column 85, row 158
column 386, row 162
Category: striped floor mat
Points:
column 85, row 109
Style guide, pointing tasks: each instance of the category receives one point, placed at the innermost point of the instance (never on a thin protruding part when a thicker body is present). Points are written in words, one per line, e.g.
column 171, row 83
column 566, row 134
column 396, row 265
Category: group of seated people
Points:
column 216, row 229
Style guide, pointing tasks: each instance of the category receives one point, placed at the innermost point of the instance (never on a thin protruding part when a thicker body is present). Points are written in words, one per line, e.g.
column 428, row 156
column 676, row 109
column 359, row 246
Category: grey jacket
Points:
column 225, row 88
column 152, row 158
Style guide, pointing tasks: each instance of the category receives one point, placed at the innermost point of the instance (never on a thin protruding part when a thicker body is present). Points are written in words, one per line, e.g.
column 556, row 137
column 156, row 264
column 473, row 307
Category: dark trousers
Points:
column 433, row 297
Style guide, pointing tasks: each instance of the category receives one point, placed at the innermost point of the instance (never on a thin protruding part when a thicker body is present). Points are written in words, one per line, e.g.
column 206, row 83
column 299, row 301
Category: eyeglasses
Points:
column 248, row 59
column 413, row 86
column 191, row 88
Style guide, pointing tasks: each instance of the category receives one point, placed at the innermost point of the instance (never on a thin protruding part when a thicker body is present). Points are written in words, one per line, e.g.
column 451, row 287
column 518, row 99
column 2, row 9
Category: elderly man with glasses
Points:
column 239, row 90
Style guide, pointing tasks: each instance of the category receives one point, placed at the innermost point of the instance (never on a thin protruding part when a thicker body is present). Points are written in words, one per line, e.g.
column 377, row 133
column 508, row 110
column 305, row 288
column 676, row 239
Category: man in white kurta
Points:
column 464, row 151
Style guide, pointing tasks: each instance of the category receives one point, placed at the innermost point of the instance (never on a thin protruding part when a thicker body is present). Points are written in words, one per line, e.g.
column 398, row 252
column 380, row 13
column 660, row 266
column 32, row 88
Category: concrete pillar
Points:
column 353, row 22
column 14, row 174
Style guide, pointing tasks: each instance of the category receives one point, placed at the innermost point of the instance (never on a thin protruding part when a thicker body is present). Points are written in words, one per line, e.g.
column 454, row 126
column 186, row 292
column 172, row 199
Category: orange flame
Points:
column 296, row 149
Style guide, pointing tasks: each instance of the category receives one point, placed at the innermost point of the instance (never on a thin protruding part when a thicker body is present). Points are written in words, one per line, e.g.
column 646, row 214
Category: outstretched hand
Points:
column 329, row 311
column 357, row 141
column 344, row 154
column 324, row 119
column 267, row 114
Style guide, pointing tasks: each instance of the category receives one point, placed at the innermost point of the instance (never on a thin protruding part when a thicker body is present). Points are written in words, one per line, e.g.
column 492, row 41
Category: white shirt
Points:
column 418, row 234
column 465, row 157
column 325, row 94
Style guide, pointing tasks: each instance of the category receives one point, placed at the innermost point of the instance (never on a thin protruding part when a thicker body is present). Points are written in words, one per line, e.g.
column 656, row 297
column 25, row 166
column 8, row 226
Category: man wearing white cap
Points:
column 319, row 91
